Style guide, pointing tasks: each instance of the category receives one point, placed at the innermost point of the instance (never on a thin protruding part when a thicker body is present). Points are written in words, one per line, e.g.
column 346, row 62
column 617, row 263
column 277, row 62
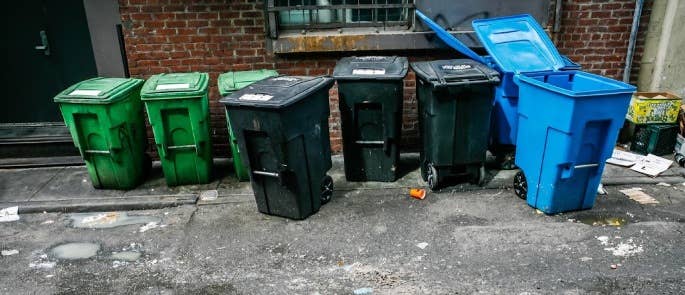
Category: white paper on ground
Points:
column 9, row 214
column 9, row 252
column 623, row 158
column 652, row 165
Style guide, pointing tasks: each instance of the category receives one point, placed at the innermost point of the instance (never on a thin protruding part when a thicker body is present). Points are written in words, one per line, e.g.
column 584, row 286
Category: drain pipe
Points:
column 631, row 41
column 556, row 28
column 557, row 17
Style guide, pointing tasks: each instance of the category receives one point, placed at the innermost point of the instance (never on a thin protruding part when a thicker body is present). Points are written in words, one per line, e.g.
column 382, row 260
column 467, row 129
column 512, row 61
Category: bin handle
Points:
column 449, row 80
column 385, row 143
column 266, row 173
column 116, row 145
column 195, row 125
column 569, row 168
column 78, row 141
column 280, row 175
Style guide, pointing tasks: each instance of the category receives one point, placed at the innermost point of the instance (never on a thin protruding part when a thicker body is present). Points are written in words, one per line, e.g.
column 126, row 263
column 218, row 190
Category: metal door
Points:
column 47, row 48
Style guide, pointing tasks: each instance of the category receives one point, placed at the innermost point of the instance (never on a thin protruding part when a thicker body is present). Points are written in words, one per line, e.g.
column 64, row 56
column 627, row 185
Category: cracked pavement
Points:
column 483, row 241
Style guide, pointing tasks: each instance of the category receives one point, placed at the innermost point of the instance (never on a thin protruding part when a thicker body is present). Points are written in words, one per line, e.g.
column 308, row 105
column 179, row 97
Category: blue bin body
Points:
column 568, row 123
column 504, row 126
column 504, row 121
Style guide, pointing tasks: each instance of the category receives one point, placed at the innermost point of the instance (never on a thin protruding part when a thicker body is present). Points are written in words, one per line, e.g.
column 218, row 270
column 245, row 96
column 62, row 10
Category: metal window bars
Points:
column 330, row 14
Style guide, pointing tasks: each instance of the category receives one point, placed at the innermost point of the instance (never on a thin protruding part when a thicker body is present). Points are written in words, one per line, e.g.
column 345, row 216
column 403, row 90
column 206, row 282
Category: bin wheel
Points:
column 432, row 176
column 424, row 173
column 520, row 185
column 326, row 189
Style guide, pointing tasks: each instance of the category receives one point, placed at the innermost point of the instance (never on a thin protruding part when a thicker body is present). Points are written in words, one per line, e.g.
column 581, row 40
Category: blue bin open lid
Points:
column 518, row 44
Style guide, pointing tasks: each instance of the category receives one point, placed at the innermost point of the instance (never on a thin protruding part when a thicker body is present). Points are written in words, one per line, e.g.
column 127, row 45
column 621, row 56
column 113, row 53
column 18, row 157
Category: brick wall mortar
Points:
column 595, row 33
column 217, row 36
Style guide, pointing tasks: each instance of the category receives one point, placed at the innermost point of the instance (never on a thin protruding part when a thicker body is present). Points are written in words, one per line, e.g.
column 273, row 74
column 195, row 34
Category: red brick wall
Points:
column 219, row 36
column 595, row 33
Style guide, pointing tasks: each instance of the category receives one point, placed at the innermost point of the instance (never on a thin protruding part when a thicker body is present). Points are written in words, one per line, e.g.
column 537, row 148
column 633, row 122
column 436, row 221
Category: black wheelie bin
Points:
column 281, row 125
column 455, row 101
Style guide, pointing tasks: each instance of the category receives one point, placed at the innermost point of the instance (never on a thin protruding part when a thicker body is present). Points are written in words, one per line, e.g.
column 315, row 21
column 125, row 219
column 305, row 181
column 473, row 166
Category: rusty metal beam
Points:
column 363, row 41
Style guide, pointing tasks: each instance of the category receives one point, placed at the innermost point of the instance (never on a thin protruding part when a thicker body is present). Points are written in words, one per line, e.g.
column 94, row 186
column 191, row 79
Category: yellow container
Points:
column 653, row 107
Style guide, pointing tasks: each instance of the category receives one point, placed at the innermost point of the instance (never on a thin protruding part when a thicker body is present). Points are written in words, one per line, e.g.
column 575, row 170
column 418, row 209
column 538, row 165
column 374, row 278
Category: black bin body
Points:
column 281, row 124
column 455, row 100
column 370, row 91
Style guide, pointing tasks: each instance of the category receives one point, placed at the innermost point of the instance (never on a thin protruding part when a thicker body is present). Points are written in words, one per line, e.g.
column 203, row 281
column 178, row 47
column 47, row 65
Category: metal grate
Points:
column 323, row 14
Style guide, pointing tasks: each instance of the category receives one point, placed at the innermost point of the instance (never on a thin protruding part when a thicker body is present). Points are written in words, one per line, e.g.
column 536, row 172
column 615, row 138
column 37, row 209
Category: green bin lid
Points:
column 371, row 68
column 451, row 72
column 276, row 92
column 98, row 90
column 232, row 81
column 175, row 85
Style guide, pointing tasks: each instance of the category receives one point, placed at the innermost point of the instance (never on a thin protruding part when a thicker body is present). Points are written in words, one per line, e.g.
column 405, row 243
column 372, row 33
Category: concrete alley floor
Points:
column 370, row 237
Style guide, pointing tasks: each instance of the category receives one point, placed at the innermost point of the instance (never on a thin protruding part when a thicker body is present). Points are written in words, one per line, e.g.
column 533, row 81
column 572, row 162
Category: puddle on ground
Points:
column 603, row 221
column 72, row 251
column 108, row 219
column 129, row 256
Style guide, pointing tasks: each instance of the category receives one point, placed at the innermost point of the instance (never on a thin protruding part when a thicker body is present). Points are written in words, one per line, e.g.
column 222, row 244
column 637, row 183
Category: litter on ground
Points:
column 9, row 214
column 10, row 252
column 636, row 194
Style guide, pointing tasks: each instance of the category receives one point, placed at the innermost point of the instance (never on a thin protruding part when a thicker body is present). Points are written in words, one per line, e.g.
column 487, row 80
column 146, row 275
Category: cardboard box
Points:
column 654, row 107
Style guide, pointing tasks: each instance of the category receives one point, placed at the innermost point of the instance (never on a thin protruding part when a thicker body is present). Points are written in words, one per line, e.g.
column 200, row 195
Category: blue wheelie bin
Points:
column 568, row 120
column 504, row 121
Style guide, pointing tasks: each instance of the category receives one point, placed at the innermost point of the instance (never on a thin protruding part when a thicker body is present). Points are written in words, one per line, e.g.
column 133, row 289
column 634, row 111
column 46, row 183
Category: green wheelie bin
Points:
column 229, row 83
column 455, row 100
column 370, row 91
column 178, row 109
column 281, row 124
column 106, row 121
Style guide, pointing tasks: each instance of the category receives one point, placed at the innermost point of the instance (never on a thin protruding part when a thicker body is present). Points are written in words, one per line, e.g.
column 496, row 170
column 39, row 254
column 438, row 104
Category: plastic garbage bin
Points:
column 568, row 120
column 455, row 101
column 228, row 83
column 178, row 110
column 105, row 118
column 370, row 91
column 281, row 125
column 562, row 150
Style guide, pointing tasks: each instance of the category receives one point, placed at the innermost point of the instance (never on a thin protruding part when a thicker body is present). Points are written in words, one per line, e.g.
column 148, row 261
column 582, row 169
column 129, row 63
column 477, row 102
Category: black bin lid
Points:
column 276, row 92
column 454, row 72
column 371, row 67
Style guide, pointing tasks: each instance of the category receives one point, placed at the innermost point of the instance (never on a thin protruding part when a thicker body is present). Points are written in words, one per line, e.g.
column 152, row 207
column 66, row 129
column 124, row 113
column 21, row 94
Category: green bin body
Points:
column 370, row 92
column 229, row 83
column 105, row 118
column 178, row 109
column 455, row 99
column 281, row 125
